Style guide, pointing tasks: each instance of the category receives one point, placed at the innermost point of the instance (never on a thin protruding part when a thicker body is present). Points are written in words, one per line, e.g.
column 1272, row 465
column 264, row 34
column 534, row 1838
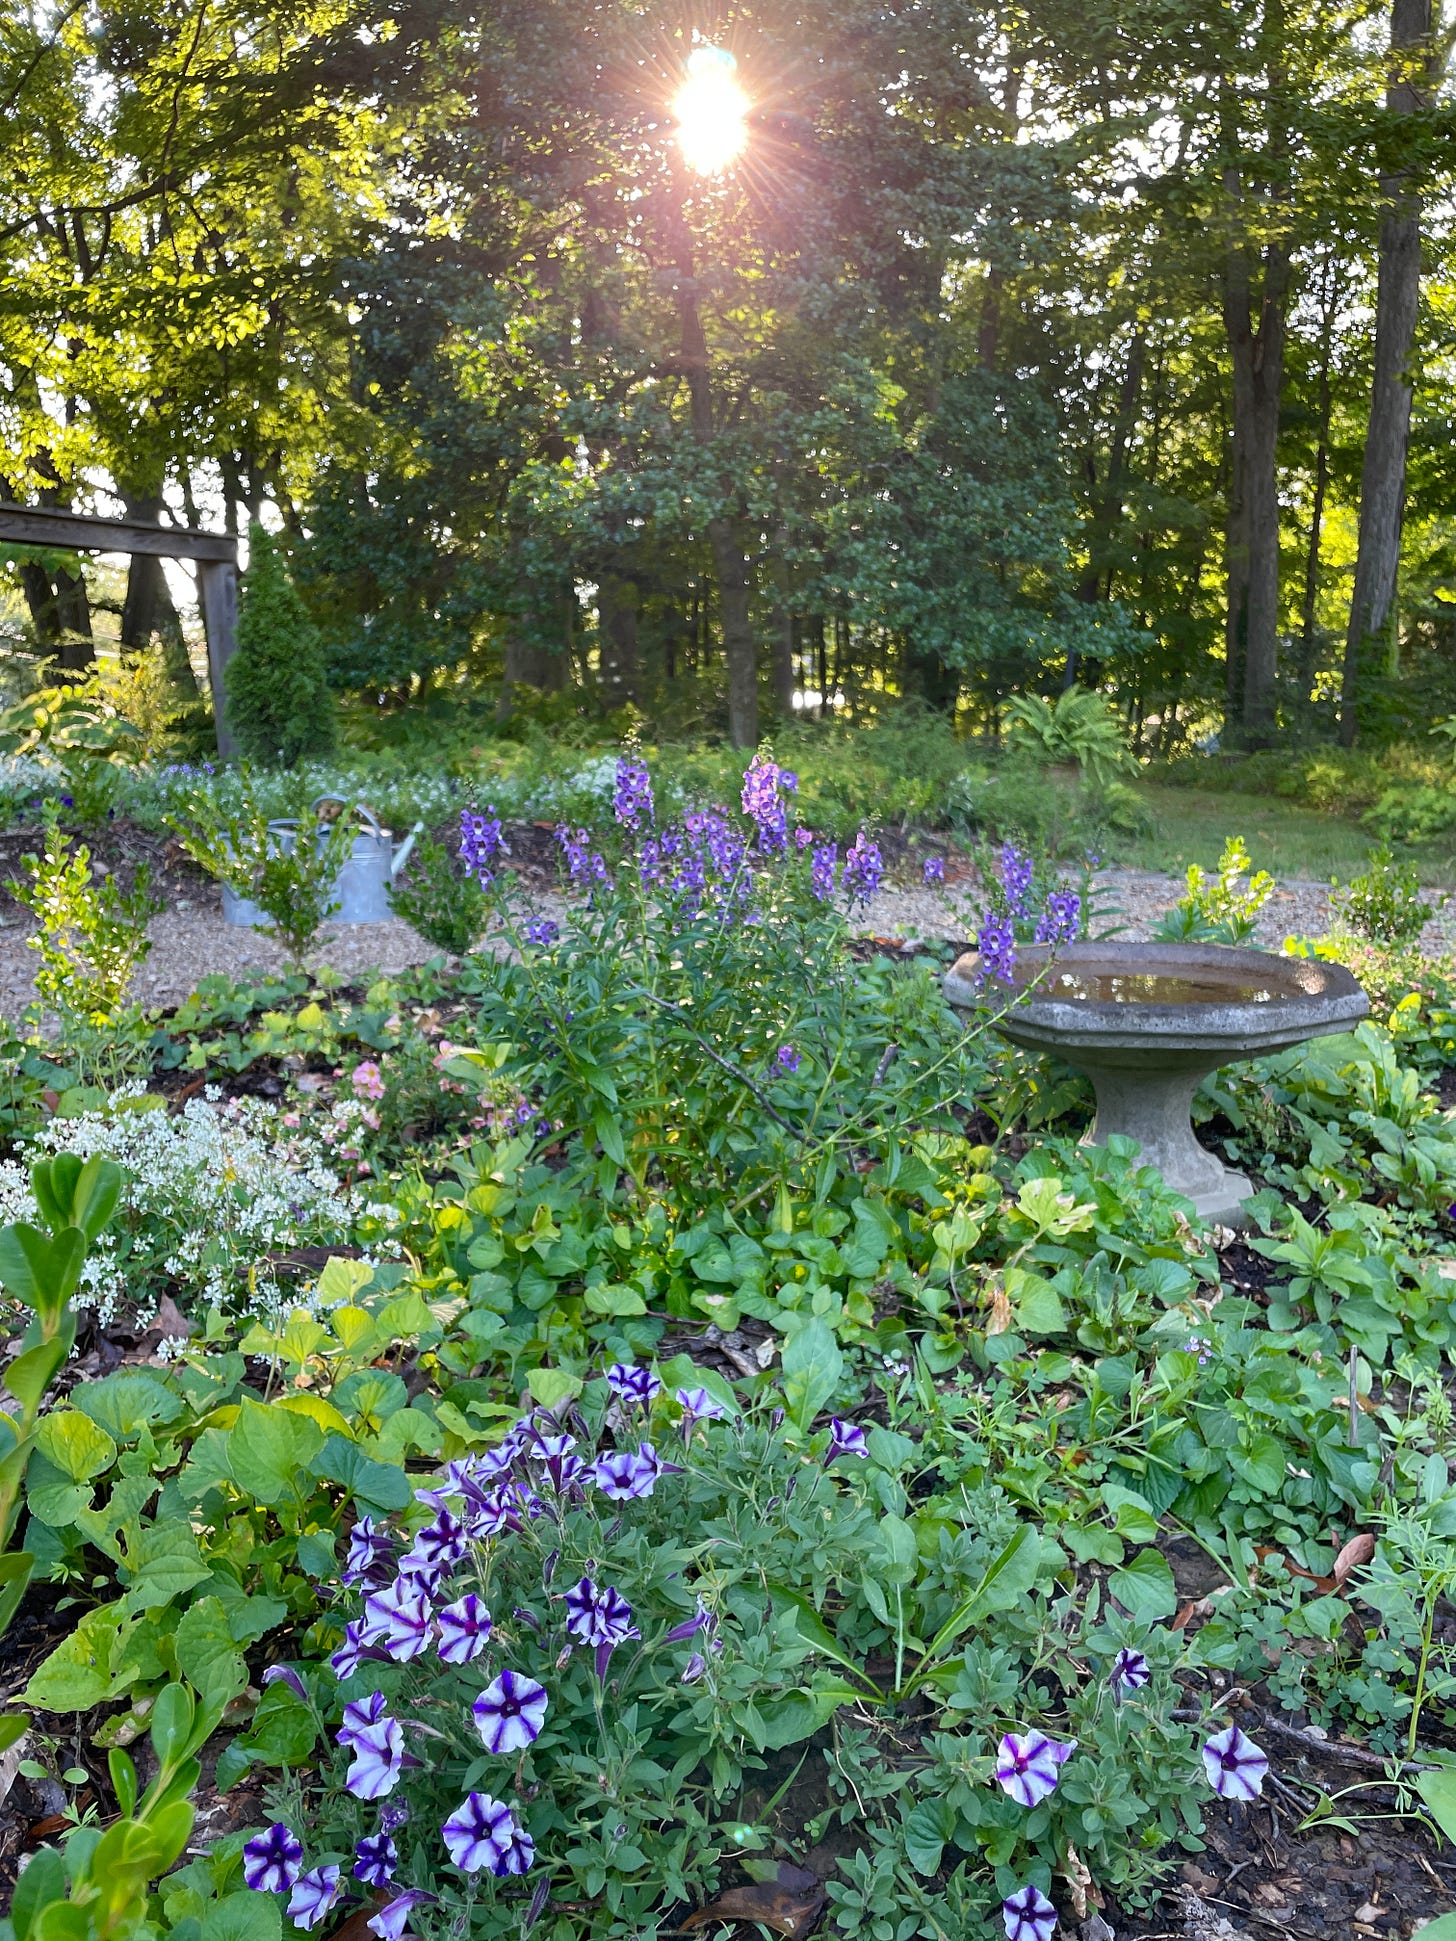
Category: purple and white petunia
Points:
column 1234, row 1764
column 1028, row 1915
column 351, row 1653
column 1028, row 1765
column 272, row 1861
column 442, row 1541
column 518, row 1850
column 623, row 1476
column 398, row 1620
column 845, row 1440
column 359, row 1715
column 638, row 1385
column 1130, row 1671
column 370, row 1551
column 314, row 1895
column 375, row 1859
column 511, row 1712
column 556, row 1456
column 286, row 1675
column 699, row 1405
column 693, row 1670
column 464, row 1628
column 598, row 1614
column 392, row 1920
column 378, row 1760
column 479, row 1833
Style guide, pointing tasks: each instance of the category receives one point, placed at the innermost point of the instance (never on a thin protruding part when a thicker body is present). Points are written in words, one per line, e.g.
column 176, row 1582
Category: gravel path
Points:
column 190, row 939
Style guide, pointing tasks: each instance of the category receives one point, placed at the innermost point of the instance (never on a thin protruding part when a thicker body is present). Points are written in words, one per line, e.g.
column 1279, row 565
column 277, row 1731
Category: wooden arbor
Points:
column 216, row 554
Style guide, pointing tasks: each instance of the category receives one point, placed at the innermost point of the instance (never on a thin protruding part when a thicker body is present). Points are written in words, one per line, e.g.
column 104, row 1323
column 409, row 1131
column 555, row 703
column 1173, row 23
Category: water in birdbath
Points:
column 1105, row 987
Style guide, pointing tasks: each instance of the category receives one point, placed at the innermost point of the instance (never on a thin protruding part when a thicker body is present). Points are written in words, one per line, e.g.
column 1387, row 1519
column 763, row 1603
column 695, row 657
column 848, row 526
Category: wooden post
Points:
column 216, row 555
column 217, row 593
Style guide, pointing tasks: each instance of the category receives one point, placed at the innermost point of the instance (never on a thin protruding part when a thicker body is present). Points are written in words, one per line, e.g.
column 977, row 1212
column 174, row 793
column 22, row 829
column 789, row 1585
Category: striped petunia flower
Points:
column 314, row 1895
column 510, row 1712
column 398, row 1620
column 464, row 1629
column 392, row 1920
column 378, row 1759
column 375, row 1859
column 1028, row 1765
column 1235, row 1765
column 479, row 1833
column 272, row 1861
column 1028, row 1915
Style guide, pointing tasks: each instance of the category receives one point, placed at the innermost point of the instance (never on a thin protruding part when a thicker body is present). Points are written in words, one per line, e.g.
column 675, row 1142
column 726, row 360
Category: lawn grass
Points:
column 1191, row 826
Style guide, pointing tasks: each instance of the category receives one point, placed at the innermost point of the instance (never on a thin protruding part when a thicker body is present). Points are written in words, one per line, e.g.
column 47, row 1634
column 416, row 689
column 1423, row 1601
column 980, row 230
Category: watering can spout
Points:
column 402, row 854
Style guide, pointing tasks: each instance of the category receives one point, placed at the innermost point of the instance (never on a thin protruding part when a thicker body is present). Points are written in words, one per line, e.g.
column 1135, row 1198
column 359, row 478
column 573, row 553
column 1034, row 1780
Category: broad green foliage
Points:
column 40, row 1267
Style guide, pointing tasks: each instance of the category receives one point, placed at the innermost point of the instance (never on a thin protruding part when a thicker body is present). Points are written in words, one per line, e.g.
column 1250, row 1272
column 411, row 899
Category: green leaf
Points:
column 39, row 1269
column 1438, row 1790
column 207, row 1653
column 172, row 1718
column 608, row 1129
column 1037, row 1308
column 75, row 1444
column 243, row 1916
column 269, row 1448
column 615, row 1300
column 1006, row 1581
column 31, row 1374
column 376, row 1485
column 927, row 1827
column 1443, row 1928
column 553, row 1386
column 1144, row 1588
column 799, row 1715
column 15, row 1571
column 77, row 1675
column 43, row 1881
column 813, row 1630
column 899, row 1556
column 812, row 1366
column 164, row 1564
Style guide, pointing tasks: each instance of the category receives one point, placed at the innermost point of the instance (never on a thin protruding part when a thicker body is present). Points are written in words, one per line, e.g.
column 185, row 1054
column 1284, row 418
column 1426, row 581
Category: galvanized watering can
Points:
column 361, row 888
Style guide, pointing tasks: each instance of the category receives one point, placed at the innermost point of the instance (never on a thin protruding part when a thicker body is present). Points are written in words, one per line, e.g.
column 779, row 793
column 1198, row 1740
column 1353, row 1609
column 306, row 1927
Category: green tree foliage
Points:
column 278, row 700
column 1023, row 345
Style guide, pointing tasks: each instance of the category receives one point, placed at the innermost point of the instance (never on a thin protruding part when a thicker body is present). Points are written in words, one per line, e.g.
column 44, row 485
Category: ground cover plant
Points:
column 617, row 1432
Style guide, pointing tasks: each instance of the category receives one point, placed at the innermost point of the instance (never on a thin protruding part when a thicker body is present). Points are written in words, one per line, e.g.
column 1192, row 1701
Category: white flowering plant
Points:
column 211, row 1192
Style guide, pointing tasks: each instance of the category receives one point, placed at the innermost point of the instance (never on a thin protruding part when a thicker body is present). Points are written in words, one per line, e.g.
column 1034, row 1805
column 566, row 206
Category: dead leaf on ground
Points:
column 1359, row 1550
column 169, row 1321
column 356, row 1928
column 790, row 1905
column 1000, row 1318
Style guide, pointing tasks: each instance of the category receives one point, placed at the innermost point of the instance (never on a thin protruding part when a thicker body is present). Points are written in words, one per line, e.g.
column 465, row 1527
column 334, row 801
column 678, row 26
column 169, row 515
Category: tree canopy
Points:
column 1021, row 345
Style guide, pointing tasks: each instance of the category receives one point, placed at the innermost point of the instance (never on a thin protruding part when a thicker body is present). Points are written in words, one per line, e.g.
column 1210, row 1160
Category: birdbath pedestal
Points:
column 1148, row 1022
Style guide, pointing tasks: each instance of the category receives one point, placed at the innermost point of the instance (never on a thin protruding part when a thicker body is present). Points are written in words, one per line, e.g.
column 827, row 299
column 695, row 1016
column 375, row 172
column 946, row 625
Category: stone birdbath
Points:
column 1148, row 1022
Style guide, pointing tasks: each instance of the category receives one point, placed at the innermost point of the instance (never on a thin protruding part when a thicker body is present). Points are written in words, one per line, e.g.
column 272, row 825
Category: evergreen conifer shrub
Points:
column 278, row 700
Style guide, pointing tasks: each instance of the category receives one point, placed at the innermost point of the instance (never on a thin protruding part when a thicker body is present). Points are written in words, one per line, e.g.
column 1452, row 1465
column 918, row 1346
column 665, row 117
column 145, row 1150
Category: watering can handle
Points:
column 402, row 854
column 362, row 810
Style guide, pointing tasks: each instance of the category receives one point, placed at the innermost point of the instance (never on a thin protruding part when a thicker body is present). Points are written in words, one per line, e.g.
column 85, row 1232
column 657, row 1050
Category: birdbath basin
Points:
column 1148, row 1022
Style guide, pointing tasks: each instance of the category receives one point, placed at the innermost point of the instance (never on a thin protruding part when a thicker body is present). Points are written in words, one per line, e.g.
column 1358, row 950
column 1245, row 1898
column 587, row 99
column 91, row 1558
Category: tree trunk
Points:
column 617, row 602
column 529, row 664
column 1308, row 646
column 1410, row 90
column 1255, row 320
column 781, row 642
column 1108, row 502
column 729, row 565
column 148, row 608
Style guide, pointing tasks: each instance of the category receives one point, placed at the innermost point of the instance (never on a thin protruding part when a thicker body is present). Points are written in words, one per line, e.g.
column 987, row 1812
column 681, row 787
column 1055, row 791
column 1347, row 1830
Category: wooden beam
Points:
column 217, row 595
column 38, row 525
